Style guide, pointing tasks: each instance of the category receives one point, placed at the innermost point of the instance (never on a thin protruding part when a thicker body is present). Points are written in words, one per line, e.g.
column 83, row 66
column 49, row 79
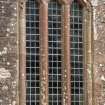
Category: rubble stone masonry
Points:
column 99, row 51
column 9, row 52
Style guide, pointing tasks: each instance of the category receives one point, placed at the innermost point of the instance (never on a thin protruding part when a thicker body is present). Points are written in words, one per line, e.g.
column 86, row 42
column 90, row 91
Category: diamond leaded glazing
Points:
column 32, row 53
column 54, row 54
column 77, row 87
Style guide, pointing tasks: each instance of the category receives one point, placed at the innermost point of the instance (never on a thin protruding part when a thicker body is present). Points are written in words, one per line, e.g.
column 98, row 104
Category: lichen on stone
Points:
column 4, row 74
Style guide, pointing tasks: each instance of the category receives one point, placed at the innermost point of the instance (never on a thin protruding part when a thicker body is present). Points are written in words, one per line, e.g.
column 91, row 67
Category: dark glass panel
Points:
column 54, row 42
column 32, row 53
column 77, row 54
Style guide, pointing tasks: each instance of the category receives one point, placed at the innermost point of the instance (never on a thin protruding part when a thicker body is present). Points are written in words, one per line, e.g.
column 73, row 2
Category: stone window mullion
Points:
column 44, row 52
column 66, row 54
column 22, row 52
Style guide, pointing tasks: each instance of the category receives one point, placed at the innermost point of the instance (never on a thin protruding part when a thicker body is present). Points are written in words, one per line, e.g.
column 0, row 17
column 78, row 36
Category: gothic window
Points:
column 54, row 53
column 32, row 53
column 77, row 54
column 47, row 63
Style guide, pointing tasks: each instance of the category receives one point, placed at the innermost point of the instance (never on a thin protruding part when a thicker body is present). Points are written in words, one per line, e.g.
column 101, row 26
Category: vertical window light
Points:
column 32, row 53
column 77, row 65
column 54, row 54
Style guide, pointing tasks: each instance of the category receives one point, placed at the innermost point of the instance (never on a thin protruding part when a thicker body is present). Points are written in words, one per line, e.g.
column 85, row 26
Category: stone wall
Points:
column 99, row 51
column 8, row 52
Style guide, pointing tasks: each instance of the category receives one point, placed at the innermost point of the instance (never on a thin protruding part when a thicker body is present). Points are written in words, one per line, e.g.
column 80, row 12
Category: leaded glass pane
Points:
column 54, row 42
column 76, row 23
column 32, row 53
